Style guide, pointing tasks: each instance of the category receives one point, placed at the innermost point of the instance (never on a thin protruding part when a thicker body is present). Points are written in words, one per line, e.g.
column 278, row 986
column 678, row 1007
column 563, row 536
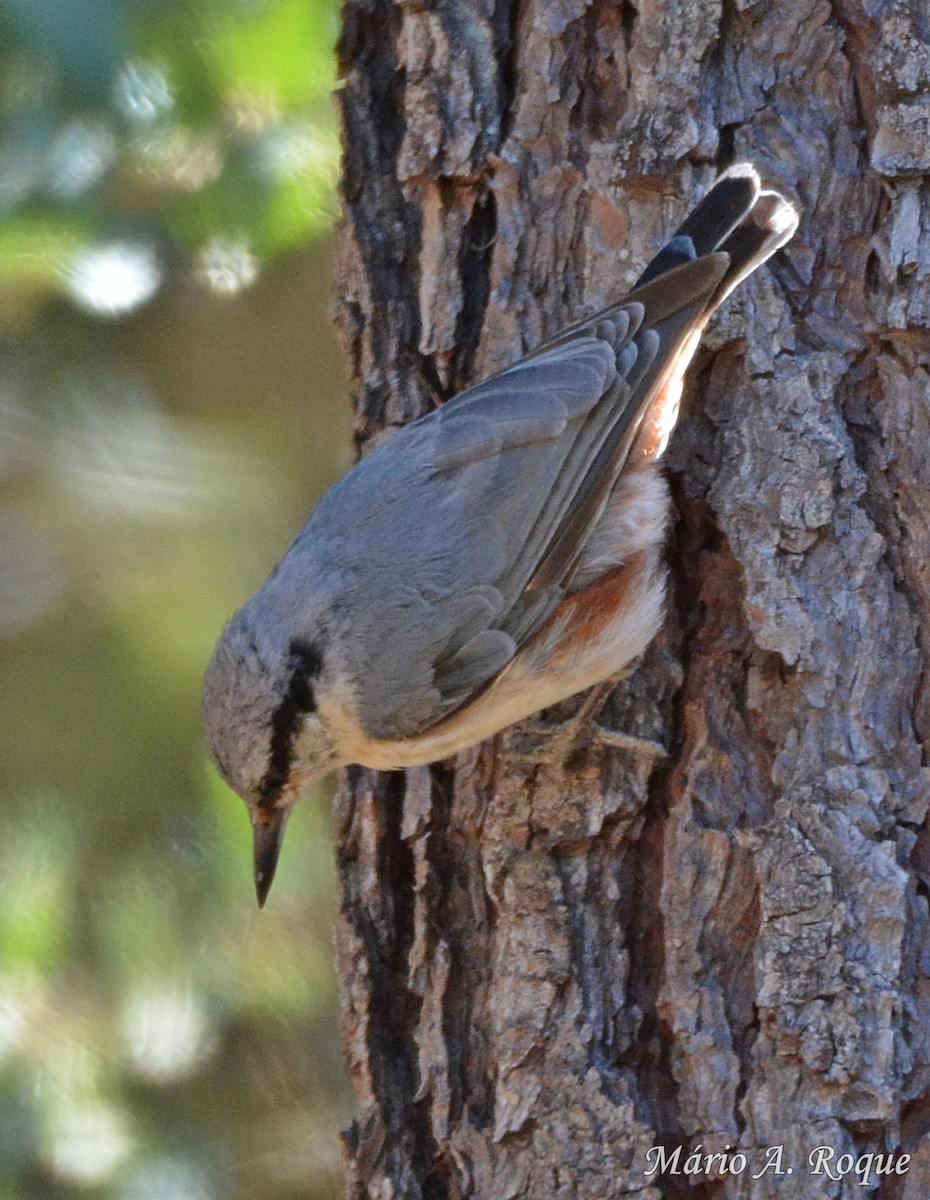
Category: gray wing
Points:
column 493, row 496
column 468, row 523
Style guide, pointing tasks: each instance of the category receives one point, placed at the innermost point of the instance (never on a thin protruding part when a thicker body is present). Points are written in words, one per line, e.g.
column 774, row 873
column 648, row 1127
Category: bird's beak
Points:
column 268, row 830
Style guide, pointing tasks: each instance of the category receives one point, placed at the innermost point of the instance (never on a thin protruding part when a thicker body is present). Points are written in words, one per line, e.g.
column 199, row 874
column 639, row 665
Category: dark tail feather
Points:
column 675, row 252
column 715, row 216
column 735, row 216
column 711, row 220
column 766, row 227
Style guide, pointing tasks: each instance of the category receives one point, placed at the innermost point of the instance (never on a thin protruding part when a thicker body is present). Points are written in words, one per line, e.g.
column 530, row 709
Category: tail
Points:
column 727, row 234
column 736, row 218
column 654, row 332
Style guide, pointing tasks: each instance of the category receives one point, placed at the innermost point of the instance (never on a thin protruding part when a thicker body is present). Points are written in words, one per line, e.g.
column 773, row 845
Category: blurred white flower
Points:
column 142, row 92
column 227, row 265
column 182, row 157
column 114, row 278
column 78, row 157
column 88, row 1141
column 167, row 1033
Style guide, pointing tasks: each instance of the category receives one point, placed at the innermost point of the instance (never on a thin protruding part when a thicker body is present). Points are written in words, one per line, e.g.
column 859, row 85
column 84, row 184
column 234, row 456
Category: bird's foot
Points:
column 638, row 746
column 554, row 743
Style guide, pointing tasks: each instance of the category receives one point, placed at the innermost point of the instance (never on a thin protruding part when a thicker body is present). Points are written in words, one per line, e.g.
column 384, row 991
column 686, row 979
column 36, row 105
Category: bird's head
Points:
column 262, row 727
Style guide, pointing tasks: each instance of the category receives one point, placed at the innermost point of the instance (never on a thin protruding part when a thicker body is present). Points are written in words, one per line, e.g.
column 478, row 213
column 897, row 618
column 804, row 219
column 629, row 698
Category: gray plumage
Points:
column 428, row 567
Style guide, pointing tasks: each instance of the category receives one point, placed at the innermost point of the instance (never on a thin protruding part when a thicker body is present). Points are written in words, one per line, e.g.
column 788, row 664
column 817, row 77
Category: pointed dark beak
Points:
column 268, row 831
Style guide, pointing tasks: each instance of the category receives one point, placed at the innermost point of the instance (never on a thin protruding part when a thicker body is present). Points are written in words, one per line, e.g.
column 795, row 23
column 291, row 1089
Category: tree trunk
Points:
column 548, row 972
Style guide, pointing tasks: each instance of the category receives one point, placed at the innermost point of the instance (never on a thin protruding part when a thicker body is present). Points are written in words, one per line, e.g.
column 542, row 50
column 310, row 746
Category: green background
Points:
column 171, row 404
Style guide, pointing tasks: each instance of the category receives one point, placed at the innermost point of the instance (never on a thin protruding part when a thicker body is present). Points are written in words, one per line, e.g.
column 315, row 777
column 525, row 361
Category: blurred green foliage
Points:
column 167, row 183
column 199, row 127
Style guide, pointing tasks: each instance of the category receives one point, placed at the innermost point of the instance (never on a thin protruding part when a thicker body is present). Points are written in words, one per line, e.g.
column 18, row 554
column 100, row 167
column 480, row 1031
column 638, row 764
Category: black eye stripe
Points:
column 304, row 664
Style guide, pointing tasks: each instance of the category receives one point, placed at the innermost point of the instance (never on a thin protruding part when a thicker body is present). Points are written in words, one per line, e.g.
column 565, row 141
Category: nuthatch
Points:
column 492, row 558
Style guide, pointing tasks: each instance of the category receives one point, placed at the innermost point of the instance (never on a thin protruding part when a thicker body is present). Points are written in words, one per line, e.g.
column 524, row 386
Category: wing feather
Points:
column 512, row 476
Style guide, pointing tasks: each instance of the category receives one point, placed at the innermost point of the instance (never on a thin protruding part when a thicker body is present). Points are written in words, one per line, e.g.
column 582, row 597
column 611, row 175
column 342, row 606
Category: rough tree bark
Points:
column 548, row 972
